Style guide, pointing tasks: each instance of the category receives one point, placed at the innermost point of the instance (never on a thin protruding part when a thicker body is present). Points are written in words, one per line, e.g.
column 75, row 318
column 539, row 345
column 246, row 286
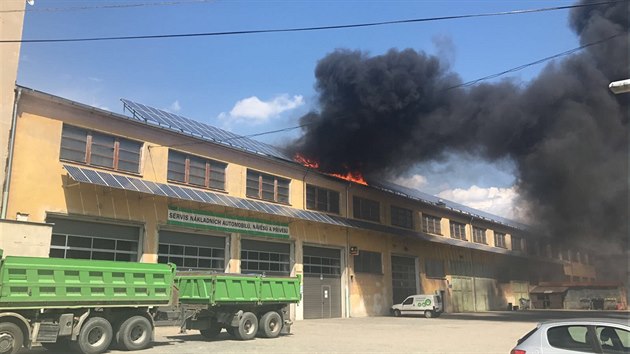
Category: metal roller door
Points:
column 322, row 282
column 262, row 257
column 404, row 277
column 93, row 240
column 192, row 251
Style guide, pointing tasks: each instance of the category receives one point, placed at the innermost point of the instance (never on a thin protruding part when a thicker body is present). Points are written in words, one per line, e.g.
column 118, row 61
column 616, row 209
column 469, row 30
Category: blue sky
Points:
column 255, row 83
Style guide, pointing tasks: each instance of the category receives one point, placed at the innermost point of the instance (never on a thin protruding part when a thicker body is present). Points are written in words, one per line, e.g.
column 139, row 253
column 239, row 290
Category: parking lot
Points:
column 490, row 332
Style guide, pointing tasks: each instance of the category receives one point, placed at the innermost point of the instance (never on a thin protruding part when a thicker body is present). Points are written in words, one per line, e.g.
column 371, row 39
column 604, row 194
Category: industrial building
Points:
column 152, row 186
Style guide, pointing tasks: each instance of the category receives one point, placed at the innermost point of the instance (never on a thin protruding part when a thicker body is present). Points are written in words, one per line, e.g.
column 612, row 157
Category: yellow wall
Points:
column 41, row 187
column 11, row 21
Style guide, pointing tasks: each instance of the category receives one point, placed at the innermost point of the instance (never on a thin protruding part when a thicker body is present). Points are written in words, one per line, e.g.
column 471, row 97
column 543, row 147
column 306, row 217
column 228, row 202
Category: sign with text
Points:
column 205, row 220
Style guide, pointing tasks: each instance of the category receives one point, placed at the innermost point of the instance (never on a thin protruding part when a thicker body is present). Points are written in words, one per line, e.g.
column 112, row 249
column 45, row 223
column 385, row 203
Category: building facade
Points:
column 151, row 186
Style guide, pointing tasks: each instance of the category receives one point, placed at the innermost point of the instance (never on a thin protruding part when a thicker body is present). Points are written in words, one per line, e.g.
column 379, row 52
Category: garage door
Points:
column 93, row 240
column 192, row 251
column 262, row 257
column 462, row 294
column 484, row 294
column 322, row 282
column 403, row 278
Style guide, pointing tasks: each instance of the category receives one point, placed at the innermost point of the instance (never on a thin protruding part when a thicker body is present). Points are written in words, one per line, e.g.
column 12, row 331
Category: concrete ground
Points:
column 489, row 332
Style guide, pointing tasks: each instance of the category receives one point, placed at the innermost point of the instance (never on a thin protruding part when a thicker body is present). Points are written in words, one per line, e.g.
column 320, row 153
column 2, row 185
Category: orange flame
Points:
column 355, row 176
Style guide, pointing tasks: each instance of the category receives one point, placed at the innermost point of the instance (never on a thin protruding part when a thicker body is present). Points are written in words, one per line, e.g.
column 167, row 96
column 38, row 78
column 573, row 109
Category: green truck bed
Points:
column 33, row 283
column 225, row 289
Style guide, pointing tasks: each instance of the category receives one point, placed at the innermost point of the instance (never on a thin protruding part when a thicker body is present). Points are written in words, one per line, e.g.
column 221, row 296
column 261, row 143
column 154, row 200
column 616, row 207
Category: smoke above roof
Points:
column 566, row 133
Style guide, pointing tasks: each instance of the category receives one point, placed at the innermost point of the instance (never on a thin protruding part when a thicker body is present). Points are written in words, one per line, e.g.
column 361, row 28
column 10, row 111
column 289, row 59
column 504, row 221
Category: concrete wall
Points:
column 22, row 238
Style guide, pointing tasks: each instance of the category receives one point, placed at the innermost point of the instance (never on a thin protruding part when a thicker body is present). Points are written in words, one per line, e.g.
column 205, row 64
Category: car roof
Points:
column 588, row 321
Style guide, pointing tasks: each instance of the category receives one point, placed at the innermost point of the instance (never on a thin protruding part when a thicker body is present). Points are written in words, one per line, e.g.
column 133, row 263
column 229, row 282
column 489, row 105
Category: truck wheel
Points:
column 95, row 336
column 428, row 314
column 247, row 327
column 397, row 313
column 11, row 338
column 270, row 325
column 212, row 331
column 135, row 333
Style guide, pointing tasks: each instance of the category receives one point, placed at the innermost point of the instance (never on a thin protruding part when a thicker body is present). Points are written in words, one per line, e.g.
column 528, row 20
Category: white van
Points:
column 428, row 305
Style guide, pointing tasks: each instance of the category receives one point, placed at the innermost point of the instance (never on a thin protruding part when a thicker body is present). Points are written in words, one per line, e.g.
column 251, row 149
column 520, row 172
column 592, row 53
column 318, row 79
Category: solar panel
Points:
column 207, row 132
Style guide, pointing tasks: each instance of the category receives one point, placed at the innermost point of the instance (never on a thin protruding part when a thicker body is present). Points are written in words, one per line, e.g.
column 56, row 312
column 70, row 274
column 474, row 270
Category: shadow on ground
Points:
column 536, row 315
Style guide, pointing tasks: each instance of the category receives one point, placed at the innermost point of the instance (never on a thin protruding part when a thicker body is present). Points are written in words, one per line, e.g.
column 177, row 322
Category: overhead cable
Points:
column 307, row 29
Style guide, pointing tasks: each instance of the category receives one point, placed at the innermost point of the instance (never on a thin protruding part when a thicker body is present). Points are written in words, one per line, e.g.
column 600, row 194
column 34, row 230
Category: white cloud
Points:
column 497, row 201
column 95, row 79
column 174, row 107
column 416, row 181
column 254, row 111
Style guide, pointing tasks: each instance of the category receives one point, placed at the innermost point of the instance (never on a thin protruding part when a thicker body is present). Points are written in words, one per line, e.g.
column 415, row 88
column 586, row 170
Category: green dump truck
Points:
column 88, row 305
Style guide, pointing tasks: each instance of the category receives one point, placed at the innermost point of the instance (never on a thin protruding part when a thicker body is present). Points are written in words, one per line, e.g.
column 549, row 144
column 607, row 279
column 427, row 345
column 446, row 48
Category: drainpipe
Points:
column 347, row 255
column 9, row 168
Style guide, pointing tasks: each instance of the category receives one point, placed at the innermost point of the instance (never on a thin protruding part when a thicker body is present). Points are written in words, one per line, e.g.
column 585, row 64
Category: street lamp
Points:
column 618, row 87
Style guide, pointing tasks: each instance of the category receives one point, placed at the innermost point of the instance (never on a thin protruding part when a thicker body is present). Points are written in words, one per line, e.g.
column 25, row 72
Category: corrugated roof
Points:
column 133, row 184
column 182, row 125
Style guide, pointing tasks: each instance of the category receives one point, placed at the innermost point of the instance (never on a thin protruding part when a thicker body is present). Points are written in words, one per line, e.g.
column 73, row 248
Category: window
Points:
column 267, row 187
column 431, row 224
column 516, row 243
column 613, row 340
column 366, row 209
column 368, row 262
column 479, row 235
column 499, row 239
column 434, row 268
column 322, row 265
column 192, row 257
column 458, row 230
column 97, row 149
column 95, row 248
column 265, row 257
column 195, row 170
column 322, row 199
column 409, row 301
column 574, row 338
column 402, row 217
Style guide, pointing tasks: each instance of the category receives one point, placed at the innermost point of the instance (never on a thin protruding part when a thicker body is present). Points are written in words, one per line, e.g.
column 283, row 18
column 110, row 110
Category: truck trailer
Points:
column 90, row 305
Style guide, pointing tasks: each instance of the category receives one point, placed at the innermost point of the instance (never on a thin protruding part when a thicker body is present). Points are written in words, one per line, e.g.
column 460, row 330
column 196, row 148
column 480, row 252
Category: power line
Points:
column 539, row 61
column 119, row 6
column 307, row 29
column 465, row 84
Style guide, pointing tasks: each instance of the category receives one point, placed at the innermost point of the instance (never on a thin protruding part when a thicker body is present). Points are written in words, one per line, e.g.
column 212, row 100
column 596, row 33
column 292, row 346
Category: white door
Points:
column 408, row 306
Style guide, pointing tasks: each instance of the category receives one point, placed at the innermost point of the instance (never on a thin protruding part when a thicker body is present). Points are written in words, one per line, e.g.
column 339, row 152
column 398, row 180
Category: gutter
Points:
column 9, row 167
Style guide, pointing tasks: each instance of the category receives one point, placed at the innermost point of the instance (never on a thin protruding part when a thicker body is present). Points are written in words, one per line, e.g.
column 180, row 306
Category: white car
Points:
column 576, row 336
column 427, row 305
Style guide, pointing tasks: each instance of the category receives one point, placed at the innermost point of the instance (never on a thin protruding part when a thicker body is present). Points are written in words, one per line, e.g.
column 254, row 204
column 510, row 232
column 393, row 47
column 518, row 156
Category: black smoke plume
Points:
column 565, row 131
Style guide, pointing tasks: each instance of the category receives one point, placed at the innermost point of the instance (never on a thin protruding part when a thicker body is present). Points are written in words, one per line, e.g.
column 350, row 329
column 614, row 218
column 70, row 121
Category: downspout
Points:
column 9, row 167
column 347, row 255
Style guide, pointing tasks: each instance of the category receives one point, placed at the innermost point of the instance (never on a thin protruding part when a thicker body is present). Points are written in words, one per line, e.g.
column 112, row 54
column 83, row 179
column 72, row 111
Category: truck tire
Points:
column 397, row 313
column 11, row 338
column 270, row 325
column 213, row 330
column 95, row 336
column 247, row 327
column 428, row 314
column 135, row 333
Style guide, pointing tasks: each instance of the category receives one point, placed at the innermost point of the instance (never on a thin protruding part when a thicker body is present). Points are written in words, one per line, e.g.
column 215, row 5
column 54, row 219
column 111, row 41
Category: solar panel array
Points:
column 106, row 179
column 431, row 199
column 174, row 122
column 183, row 125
